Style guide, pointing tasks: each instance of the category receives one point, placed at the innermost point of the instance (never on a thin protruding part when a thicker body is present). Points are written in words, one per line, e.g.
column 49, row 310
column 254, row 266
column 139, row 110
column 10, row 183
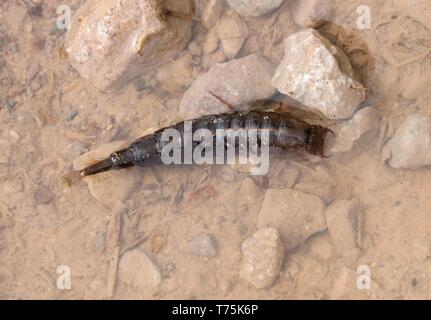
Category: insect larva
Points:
column 285, row 132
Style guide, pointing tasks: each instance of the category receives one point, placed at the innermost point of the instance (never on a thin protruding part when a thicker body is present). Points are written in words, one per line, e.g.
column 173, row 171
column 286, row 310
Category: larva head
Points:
column 318, row 143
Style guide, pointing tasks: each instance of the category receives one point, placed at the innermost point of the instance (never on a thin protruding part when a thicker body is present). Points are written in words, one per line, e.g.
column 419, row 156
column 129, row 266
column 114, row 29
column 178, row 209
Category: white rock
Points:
column 296, row 215
column 212, row 13
column 232, row 32
column 364, row 124
column 319, row 75
column 236, row 82
column 312, row 13
column 254, row 8
column 137, row 269
column 343, row 226
column 112, row 42
column 410, row 148
column 203, row 245
column 112, row 186
column 262, row 258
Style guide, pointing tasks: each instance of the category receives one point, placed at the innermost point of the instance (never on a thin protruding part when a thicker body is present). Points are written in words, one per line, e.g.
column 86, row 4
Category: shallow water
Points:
column 50, row 115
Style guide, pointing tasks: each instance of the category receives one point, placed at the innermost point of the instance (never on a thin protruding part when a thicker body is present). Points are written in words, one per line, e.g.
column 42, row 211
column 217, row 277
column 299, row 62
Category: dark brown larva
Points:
column 286, row 132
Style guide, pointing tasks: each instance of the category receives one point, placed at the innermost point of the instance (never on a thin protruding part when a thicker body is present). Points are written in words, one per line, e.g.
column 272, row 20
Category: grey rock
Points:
column 236, row 82
column 70, row 115
column 204, row 245
column 43, row 195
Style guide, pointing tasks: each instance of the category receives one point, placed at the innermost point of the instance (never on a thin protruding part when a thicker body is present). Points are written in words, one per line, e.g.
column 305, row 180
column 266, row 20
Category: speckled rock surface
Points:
column 319, row 75
column 262, row 258
column 112, row 42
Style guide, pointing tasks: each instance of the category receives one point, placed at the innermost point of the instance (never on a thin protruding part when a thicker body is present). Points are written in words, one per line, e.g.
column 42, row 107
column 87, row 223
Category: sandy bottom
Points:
column 49, row 116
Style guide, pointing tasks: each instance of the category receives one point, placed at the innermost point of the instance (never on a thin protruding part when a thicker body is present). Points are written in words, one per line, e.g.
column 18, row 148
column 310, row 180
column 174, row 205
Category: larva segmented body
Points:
column 285, row 132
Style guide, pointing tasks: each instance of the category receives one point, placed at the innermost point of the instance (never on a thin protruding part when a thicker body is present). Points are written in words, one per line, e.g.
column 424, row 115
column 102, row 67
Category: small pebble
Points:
column 14, row 134
column 410, row 148
column 43, row 195
column 263, row 255
column 137, row 269
column 168, row 269
column 70, row 115
column 204, row 245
